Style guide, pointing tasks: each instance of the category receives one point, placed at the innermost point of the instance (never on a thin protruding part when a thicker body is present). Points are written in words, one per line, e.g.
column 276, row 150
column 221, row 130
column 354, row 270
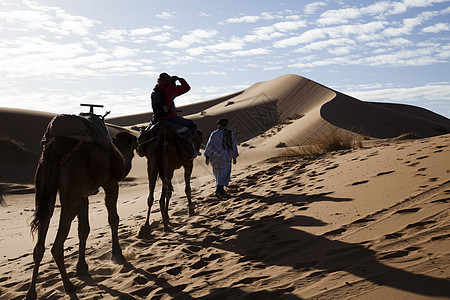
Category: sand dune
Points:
column 359, row 223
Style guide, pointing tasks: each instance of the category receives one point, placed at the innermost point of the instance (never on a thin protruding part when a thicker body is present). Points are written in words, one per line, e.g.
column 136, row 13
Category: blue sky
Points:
column 57, row 54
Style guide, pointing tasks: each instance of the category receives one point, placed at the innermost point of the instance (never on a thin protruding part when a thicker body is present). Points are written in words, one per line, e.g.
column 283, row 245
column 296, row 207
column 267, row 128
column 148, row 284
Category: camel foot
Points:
column 70, row 288
column 191, row 212
column 82, row 270
column 31, row 294
column 168, row 229
column 144, row 232
column 118, row 258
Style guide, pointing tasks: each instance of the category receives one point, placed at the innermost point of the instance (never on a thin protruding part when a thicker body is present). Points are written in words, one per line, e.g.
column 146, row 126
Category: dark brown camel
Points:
column 77, row 170
column 163, row 158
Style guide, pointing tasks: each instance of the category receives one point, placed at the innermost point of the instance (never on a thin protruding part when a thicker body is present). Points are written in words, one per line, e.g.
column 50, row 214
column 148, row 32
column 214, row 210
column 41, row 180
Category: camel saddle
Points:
column 184, row 140
column 85, row 127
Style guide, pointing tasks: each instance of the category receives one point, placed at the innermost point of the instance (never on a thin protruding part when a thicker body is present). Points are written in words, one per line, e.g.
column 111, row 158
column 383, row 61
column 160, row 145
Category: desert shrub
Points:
column 407, row 136
column 9, row 144
column 281, row 145
column 4, row 190
column 334, row 140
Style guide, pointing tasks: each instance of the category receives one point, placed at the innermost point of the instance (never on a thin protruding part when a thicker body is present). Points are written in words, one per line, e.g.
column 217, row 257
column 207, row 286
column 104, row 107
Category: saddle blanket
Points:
column 184, row 141
column 85, row 127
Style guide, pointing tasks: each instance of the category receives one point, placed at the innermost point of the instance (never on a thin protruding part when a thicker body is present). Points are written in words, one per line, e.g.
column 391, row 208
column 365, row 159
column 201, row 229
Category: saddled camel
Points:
column 77, row 169
column 163, row 158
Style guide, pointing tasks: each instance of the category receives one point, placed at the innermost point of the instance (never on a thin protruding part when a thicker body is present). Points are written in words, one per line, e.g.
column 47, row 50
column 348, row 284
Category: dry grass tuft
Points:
column 9, row 144
column 336, row 139
column 4, row 191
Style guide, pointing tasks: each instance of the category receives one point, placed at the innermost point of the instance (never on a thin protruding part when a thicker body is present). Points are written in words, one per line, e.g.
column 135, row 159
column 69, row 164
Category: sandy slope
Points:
column 363, row 223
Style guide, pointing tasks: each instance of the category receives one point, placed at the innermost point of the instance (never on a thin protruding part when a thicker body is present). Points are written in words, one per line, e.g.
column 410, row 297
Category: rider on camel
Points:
column 168, row 85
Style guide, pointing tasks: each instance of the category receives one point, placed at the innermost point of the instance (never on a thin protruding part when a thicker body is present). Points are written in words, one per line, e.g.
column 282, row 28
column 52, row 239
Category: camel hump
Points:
column 85, row 127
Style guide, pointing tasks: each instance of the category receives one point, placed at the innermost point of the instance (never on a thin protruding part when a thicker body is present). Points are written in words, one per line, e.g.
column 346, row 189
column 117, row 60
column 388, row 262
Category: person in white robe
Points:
column 221, row 150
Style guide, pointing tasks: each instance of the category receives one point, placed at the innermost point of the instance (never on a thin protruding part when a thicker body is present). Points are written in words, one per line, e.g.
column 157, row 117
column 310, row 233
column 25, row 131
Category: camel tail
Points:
column 46, row 187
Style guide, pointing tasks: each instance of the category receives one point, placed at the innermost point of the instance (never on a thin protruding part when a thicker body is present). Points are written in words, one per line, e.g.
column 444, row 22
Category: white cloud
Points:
column 167, row 15
column 113, row 35
column 342, row 31
column 234, row 44
column 251, row 19
column 416, row 57
column 251, row 52
column 313, row 7
column 409, row 24
column 274, row 31
column 325, row 44
column 306, row 37
column 122, row 52
column 437, row 28
column 339, row 16
column 396, row 42
column 432, row 91
column 145, row 31
column 196, row 36
column 403, row 6
column 340, row 50
column 49, row 19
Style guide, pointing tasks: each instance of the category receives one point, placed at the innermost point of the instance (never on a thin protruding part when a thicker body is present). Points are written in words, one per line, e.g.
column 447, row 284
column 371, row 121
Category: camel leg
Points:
column 152, row 173
column 39, row 249
column 112, row 192
column 167, row 195
column 144, row 232
column 163, row 205
column 187, row 180
column 68, row 213
column 162, row 208
column 83, row 232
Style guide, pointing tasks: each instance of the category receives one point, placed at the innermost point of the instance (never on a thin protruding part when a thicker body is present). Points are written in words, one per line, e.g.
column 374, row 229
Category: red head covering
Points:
column 164, row 77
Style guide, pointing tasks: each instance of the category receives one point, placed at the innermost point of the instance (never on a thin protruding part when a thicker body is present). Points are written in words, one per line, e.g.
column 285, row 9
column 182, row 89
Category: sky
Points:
column 56, row 54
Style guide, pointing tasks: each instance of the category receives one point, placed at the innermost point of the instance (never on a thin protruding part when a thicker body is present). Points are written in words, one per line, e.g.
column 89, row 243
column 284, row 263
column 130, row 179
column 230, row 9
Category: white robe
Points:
column 219, row 157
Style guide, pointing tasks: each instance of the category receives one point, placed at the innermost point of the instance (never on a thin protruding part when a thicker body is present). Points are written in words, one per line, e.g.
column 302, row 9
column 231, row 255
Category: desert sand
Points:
column 366, row 222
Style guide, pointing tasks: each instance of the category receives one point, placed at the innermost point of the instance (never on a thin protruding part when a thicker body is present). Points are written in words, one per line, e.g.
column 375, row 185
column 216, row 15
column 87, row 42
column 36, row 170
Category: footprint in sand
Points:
column 439, row 148
column 199, row 264
column 363, row 220
column 174, row 271
column 394, row 254
column 335, row 232
column 421, row 224
column 140, row 280
column 440, row 237
column 360, row 182
column 205, row 273
column 250, row 280
column 385, row 173
column 332, row 167
column 444, row 200
column 422, row 157
column 408, row 210
column 392, row 236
